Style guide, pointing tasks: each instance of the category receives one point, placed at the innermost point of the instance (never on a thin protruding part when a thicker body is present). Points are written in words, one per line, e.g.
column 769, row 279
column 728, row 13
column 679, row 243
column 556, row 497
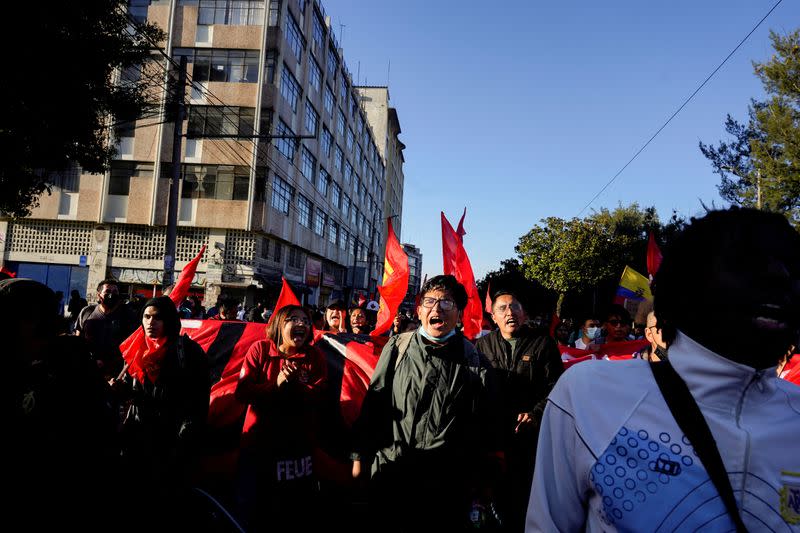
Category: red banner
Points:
column 395, row 282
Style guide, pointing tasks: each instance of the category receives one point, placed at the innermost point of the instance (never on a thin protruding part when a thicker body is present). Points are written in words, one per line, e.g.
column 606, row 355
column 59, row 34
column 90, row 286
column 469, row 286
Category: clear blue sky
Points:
column 520, row 110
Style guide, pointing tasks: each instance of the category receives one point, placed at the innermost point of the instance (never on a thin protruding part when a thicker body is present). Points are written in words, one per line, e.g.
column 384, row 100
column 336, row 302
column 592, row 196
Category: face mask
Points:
column 592, row 332
column 111, row 299
column 436, row 339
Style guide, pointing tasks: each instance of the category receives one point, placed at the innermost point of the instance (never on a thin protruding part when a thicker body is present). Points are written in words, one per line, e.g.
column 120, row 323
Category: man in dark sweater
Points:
column 526, row 364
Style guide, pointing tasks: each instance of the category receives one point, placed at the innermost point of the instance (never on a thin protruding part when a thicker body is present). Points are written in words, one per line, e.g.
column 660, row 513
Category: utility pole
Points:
column 371, row 254
column 178, row 108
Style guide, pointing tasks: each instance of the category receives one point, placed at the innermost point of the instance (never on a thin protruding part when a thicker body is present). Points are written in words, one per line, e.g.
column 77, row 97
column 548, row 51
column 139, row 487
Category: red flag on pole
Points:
column 136, row 346
column 460, row 267
column 286, row 297
column 653, row 256
column 460, row 230
column 395, row 282
column 488, row 305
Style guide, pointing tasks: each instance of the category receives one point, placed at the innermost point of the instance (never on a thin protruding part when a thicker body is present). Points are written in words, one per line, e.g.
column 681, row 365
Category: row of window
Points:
column 237, row 66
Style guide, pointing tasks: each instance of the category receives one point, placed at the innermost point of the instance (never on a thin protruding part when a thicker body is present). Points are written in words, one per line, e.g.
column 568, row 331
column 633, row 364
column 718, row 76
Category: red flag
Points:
column 4, row 270
column 460, row 230
column 286, row 297
column 395, row 282
column 653, row 256
column 487, row 306
column 135, row 347
column 555, row 320
column 460, row 267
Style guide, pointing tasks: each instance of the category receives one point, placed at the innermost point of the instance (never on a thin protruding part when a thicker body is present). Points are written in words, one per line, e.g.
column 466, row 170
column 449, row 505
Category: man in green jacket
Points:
column 425, row 432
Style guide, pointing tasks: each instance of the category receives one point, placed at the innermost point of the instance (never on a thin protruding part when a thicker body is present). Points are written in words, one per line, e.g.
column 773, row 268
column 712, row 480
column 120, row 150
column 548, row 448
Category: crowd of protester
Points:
column 452, row 434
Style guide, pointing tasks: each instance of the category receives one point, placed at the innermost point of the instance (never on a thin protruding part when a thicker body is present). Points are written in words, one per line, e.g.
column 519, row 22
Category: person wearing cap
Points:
column 335, row 317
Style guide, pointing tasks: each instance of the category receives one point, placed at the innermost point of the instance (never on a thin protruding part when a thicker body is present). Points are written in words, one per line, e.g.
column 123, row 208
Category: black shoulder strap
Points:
column 694, row 426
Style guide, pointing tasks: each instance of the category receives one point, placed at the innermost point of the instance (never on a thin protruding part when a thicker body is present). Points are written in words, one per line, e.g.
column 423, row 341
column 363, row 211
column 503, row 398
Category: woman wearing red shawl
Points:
column 280, row 381
column 165, row 393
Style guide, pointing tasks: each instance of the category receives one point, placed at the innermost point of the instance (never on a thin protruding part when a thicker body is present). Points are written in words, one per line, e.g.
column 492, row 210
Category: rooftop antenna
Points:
column 388, row 72
column 341, row 34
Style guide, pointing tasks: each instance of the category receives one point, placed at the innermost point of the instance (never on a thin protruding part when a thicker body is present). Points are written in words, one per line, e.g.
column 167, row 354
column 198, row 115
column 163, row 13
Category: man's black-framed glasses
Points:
column 445, row 304
column 515, row 307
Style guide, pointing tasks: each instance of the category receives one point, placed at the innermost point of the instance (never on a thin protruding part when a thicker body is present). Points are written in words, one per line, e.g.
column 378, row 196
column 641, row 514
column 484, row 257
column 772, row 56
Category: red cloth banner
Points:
column 395, row 282
column 456, row 263
column 614, row 351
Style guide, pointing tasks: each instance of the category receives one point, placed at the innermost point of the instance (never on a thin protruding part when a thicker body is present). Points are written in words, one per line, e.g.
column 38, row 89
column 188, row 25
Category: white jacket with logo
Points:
column 612, row 458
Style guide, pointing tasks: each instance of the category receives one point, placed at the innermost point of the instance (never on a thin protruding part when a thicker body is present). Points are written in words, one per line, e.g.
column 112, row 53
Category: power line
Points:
column 680, row 108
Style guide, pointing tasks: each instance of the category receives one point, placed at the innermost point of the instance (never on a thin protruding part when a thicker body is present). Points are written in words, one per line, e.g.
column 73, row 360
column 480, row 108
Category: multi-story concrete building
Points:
column 414, row 277
column 386, row 127
column 267, row 203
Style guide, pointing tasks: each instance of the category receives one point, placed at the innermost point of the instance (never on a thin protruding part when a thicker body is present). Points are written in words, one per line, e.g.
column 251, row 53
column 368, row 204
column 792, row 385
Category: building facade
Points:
column 282, row 173
column 414, row 277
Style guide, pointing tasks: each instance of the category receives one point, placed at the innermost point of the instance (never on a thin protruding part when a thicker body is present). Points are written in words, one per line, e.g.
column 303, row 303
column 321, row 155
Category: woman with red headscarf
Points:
column 280, row 381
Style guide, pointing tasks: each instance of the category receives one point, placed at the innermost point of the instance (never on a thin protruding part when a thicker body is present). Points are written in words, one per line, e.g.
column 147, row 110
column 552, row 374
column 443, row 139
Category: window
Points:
column 221, row 120
column 237, row 66
column 326, row 140
column 319, row 222
column 338, row 158
column 322, row 181
column 318, row 33
column 274, row 12
column 312, row 118
column 344, row 237
column 217, row 182
column 290, row 89
column 284, row 141
column 350, row 138
column 353, row 106
column 270, row 63
column 301, row 4
column 315, row 75
column 231, row 12
column 295, row 258
column 348, row 172
column 304, row 210
column 282, row 194
column 333, row 232
column 333, row 62
column 358, row 153
column 277, row 249
column 343, row 90
column 336, row 195
column 295, row 38
column 346, row 206
column 327, row 99
column 354, row 217
column 265, row 248
column 66, row 180
column 122, row 172
column 340, row 122
column 309, row 164
column 138, row 10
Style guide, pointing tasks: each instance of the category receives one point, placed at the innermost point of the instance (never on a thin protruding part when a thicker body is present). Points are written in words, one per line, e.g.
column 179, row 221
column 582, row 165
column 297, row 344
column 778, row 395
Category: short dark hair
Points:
column 713, row 235
column 505, row 292
column 447, row 283
column 617, row 310
column 107, row 281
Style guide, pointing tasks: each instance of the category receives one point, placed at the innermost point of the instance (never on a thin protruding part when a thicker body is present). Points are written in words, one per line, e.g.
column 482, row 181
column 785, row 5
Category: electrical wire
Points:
column 679, row 108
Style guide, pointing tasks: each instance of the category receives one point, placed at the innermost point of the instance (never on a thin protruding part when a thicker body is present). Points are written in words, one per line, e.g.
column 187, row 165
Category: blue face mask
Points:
column 592, row 332
column 431, row 338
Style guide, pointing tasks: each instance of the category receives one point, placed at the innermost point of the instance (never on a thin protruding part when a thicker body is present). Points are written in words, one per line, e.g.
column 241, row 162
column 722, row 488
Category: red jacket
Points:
column 280, row 417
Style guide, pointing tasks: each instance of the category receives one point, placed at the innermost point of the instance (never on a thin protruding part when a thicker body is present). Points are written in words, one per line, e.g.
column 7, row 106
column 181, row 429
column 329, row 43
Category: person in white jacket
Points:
column 611, row 456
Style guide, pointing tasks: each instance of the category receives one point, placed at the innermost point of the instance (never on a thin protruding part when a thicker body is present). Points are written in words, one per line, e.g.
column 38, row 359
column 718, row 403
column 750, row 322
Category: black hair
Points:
column 617, row 310
column 686, row 263
column 167, row 313
column 108, row 281
column 505, row 292
column 447, row 283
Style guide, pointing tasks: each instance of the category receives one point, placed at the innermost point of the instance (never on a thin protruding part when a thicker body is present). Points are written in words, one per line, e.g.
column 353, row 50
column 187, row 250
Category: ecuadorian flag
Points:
column 632, row 287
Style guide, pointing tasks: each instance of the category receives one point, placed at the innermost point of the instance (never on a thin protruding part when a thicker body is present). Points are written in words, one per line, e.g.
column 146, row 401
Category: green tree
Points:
column 59, row 97
column 578, row 255
column 760, row 167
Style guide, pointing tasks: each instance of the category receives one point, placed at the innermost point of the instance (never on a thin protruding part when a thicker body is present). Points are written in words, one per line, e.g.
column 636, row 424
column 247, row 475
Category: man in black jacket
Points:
column 526, row 365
